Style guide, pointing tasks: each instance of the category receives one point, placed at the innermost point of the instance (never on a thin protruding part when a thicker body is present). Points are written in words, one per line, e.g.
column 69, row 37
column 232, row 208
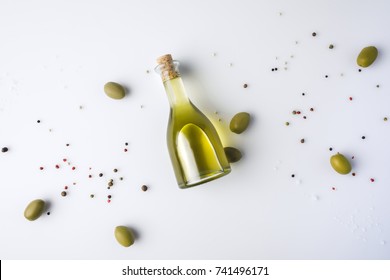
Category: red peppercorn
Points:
column 333, row 188
column 354, row 174
column 41, row 168
column 372, row 180
column 73, row 168
column 66, row 187
column 125, row 150
column 109, row 196
column 108, row 201
column 298, row 112
column 350, row 98
column 57, row 166
column 90, row 176
column 64, row 160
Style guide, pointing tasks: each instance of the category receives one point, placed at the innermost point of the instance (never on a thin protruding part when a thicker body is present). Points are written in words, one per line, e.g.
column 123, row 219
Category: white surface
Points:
column 56, row 56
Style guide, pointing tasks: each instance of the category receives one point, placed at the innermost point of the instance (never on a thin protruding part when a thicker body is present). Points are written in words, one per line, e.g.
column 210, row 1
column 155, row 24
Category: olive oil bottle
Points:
column 194, row 146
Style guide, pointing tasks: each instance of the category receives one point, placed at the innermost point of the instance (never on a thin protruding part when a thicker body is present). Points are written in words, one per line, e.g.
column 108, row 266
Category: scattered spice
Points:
column 115, row 170
column 326, row 76
column 121, row 178
column 292, row 175
column 294, row 112
column 314, row 34
column 109, row 196
column 64, row 160
column 333, row 188
column 4, row 149
column 125, row 150
column 41, row 168
column 91, row 195
column 144, row 188
column 110, row 184
column 66, row 187
column 245, row 85
column 303, row 94
column 350, row 98
column 372, row 180
column 360, row 70
column 287, row 123
column 363, row 137
column 73, row 168
column 331, row 46
column 100, row 174
column 63, row 193
column 377, row 86
column 126, row 144
column 109, row 200
column 48, row 213
column 57, row 166
column 353, row 174
column 89, row 176
column 311, row 109
column 304, row 117
column 302, row 140
column 298, row 112
column 67, row 145
column 385, row 119
column 330, row 149
column 38, row 121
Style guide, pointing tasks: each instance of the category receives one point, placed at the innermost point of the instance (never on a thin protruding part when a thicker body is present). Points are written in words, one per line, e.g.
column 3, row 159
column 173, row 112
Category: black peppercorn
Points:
column 4, row 149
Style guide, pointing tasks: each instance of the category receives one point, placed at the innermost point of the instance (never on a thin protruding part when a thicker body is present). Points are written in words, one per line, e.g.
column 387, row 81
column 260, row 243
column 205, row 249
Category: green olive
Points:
column 239, row 122
column 124, row 236
column 34, row 209
column 232, row 154
column 340, row 164
column 367, row 56
column 114, row 90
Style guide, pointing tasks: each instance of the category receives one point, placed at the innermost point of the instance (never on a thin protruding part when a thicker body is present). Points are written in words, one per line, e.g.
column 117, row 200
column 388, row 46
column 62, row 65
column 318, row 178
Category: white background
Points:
column 55, row 56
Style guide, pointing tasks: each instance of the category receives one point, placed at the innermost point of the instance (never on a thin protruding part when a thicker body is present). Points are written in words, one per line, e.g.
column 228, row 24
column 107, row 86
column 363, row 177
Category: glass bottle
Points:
column 194, row 146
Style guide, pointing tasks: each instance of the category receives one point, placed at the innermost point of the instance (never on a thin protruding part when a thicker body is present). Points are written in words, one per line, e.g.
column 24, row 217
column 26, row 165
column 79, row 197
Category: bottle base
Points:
column 204, row 179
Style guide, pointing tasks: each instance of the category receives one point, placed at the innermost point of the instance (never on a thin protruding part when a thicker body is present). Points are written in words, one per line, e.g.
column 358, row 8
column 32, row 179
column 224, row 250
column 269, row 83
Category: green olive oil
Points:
column 194, row 146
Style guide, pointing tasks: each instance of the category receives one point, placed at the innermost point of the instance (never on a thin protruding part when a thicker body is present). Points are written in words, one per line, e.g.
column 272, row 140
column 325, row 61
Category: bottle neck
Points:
column 176, row 93
column 173, row 84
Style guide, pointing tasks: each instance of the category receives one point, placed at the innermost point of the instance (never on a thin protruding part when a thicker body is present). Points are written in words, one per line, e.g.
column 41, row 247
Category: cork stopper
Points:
column 165, row 59
column 167, row 67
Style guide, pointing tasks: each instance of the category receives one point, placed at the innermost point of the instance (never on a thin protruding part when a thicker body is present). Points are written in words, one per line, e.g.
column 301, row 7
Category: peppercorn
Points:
column 63, row 193
column 302, row 140
column 144, row 188
column 312, row 109
column 293, row 175
column 245, row 85
column 121, row 178
column 4, row 149
column 100, row 174
column 330, row 149
column 109, row 196
column 313, row 34
column 126, row 144
column 331, row 46
column 287, row 123
column 91, row 195
column 115, row 170
column 38, row 121
column 110, row 184
column 363, row 137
